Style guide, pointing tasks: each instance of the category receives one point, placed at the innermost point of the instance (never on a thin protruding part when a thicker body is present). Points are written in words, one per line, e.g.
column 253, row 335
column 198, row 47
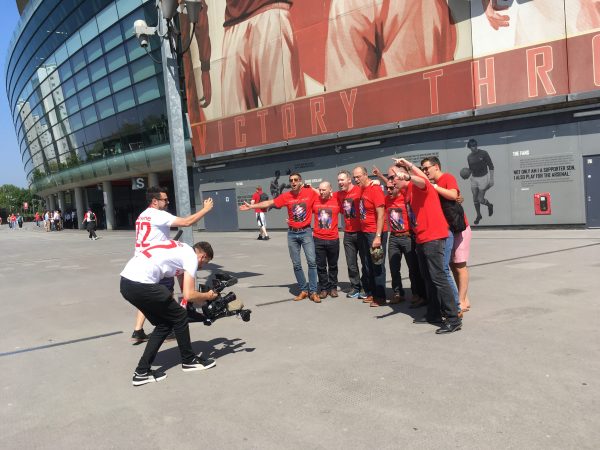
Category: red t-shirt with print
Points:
column 299, row 206
column 371, row 198
column 429, row 217
column 326, row 218
column 396, row 214
column 447, row 181
column 349, row 206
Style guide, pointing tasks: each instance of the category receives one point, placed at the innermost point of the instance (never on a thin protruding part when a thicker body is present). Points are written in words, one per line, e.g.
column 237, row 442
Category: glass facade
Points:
column 79, row 85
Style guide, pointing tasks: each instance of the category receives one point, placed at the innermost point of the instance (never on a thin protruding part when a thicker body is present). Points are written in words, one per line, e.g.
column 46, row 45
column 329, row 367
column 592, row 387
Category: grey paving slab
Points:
column 523, row 373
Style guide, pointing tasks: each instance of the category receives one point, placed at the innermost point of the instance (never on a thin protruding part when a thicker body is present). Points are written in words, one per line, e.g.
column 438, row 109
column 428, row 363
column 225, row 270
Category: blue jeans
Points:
column 296, row 241
column 447, row 257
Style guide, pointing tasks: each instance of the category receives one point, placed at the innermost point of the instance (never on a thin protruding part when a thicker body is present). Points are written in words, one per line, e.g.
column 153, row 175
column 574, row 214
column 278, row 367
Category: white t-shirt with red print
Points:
column 152, row 226
column 161, row 260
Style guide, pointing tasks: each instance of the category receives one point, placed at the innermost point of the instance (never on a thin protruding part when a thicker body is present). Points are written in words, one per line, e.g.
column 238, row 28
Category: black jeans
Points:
column 157, row 304
column 405, row 245
column 439, row 293
column 353, row 251
column 327, row 252
column 373, row 274
column 91, row 228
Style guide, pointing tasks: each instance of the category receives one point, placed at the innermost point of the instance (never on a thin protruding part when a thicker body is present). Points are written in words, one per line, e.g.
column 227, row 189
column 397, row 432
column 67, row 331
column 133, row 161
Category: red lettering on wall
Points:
column 288, row 117
column 240, row 138
column 433, row 89
column 540, row 70
column 263, row 124
column 488, row 81
column 349, row 106
column 317, row 111
column 596, row 59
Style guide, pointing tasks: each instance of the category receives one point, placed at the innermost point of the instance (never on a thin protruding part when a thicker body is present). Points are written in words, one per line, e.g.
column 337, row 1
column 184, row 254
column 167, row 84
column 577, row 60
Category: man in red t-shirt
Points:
column 372, row 236
column 327, row 239
column 447, row 188
column 401, row 240
column 349, row 200
column 299, row 203
column 431, row 231
column 260, row 214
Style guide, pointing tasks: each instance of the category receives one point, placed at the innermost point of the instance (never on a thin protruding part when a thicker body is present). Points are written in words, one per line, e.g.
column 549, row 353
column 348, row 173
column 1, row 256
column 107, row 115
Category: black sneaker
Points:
column 259, row 238
column 198, row 364
column 139, row 336
column 449, row 328
column 151, row 376
column 266, row 238
column 490, row 209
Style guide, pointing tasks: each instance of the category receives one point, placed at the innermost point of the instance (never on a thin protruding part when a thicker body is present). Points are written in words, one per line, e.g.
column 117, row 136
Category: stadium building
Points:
column 504, row 92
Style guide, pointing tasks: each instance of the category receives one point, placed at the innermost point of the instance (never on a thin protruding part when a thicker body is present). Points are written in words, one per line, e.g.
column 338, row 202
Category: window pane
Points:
column 134, row 50
column 147, row 90
column 93, row 50
column 101, row 89
column 105, row 108
column 106, row 17
column 97, row 69
column 61, row 54
column 85, row 97
column 74, row 43
column 124, row 99
column 116, row 58
column 72, row 105
column 120, row 79
column 82, row 80
column 75, row 122
column 78, row 62
column 65, row 71
column 68, row 88
column 89, row 31
column 126, row 6
column 112, row 37
column 142, row 68
column 89, row 115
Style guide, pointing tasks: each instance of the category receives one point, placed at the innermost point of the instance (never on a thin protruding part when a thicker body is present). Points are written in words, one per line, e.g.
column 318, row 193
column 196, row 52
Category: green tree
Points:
column 13, row 197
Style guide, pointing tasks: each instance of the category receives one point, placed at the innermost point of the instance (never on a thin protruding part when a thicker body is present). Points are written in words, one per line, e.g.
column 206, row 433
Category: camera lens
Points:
column 245, row 315
column 229, row 297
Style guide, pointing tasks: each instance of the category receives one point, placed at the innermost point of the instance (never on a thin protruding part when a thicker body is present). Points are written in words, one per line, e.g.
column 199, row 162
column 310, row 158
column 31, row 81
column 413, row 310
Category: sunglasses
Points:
column 294, row 179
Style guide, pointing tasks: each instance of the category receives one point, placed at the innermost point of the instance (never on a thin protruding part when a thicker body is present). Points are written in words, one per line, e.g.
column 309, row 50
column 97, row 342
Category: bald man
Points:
column 327, row 239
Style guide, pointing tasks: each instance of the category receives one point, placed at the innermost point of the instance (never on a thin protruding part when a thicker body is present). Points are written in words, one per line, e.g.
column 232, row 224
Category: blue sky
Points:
column 11, row 166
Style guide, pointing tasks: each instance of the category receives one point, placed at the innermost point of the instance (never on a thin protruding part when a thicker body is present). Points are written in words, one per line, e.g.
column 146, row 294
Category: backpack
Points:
column 263, row 197
column 91, row 217
column 455, row 215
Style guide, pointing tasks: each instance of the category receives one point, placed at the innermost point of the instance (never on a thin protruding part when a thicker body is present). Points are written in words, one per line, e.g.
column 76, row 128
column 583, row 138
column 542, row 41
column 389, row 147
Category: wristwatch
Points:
column 378, row 235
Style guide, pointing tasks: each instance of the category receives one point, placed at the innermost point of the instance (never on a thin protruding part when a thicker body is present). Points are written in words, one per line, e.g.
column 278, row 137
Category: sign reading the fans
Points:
column 266, row 71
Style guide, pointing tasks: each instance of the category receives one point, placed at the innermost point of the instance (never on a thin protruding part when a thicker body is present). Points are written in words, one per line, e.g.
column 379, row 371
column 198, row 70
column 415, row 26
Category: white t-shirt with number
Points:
column 152, row 226
column 161, row 260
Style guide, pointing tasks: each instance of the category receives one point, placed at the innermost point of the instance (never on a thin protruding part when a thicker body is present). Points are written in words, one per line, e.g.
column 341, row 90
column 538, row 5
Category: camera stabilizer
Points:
column 222, row 306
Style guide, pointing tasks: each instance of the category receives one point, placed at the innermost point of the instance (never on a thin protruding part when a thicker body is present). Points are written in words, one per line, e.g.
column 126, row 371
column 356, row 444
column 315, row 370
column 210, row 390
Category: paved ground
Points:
column 523, row 373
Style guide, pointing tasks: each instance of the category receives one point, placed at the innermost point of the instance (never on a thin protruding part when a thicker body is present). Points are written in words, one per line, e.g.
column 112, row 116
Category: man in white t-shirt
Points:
column 152, row 226
column 140, row 286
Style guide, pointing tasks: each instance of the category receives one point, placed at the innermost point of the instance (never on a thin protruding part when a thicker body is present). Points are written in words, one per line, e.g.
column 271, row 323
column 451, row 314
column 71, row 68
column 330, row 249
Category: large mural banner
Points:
column 261, row 72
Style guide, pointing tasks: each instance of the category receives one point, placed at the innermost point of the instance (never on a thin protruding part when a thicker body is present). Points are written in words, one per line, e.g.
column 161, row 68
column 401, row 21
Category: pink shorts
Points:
column 462, row 246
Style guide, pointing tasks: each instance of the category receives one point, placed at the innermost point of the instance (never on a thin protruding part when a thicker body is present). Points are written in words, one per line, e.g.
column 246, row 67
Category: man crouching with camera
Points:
column 140, row 287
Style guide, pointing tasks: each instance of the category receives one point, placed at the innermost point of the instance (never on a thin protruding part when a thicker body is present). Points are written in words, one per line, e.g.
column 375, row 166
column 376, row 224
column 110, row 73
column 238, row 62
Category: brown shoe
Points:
column 333, row 293
column 369, row 299
column 323, row 293
column 315, row 297
column 397, row 299
column 301, row 296
column 378, row 302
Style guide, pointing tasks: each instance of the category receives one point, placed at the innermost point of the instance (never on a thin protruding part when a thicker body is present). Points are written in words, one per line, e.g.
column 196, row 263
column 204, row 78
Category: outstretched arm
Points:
column 193, row 218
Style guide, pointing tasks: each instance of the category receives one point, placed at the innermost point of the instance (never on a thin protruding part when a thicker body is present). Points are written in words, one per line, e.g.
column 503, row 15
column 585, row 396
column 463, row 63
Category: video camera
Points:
column 222, row 306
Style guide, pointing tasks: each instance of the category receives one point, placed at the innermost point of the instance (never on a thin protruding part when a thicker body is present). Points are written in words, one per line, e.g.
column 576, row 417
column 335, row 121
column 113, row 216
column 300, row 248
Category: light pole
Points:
column 168, row 32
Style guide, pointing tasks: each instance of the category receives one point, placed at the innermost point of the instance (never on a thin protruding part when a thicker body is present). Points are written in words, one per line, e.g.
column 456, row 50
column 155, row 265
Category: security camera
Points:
column 142, row 30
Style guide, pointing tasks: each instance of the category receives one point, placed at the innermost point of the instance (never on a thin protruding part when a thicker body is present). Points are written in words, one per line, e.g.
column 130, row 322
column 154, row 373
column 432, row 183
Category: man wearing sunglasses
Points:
column 152, row 226
column 299, row 202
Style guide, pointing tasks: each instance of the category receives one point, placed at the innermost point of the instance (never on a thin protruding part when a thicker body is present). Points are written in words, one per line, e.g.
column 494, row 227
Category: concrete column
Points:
column 51, row 202
column 109, row 208
column 61, row 201
column 152, row 179
column 79, row 205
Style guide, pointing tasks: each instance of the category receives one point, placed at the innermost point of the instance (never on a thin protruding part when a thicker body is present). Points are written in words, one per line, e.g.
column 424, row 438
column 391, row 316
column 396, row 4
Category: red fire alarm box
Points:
column 541, row 204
